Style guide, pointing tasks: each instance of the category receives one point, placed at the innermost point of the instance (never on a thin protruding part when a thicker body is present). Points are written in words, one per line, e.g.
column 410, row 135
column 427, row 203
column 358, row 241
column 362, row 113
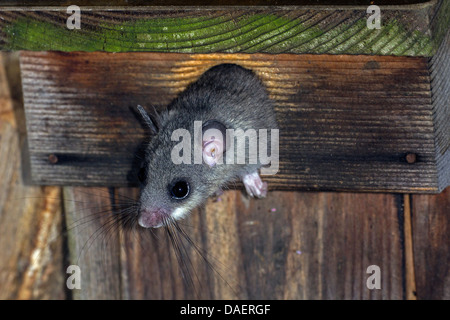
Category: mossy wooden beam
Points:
column 406, row 30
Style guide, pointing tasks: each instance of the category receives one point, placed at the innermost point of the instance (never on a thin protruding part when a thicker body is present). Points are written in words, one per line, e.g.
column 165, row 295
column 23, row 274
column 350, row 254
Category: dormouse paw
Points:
column 254, row 185
column 217, row 195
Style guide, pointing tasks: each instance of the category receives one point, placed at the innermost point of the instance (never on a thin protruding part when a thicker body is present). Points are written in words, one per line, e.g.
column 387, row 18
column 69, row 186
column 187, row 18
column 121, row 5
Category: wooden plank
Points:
column 290, row 245
column 139, row 3
column 31, row 256
column 440, row 94
column 93, row 245
column 410, row 272
column 431, row 236
column 407, row 29
column 362, row 123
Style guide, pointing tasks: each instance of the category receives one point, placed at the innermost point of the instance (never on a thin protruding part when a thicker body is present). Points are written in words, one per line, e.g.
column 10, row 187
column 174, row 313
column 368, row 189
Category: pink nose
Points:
column 152, row 218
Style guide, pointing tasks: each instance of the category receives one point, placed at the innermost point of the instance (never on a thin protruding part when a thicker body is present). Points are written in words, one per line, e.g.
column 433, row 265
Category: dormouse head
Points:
column 170, row 188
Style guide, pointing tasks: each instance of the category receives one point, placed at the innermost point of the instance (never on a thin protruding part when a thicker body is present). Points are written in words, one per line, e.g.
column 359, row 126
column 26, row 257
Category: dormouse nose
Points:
column 152, row 218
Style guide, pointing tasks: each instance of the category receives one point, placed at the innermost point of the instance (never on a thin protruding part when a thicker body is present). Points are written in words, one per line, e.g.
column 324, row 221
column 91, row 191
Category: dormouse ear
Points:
column 152, row 125
column 213, row 142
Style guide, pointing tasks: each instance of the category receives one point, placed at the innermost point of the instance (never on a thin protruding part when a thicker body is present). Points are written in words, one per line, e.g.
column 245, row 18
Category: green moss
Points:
column 248, row 33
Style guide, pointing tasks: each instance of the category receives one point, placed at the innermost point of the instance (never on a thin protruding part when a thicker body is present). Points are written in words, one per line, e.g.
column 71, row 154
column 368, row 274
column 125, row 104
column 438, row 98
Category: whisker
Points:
column 182, row 256
column 118, row 217
column 102, row 192
column 205, row 256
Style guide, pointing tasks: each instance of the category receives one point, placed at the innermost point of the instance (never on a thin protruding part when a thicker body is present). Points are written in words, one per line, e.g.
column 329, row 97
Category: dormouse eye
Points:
column 142, row 174
column 179, row 189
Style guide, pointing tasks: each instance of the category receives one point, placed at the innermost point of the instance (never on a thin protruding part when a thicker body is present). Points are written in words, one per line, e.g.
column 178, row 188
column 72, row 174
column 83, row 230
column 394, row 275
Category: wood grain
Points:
column 92, row 245
column 431, row 229
column 410, row 274
column 31, row 256
column 289, row 246
column 139, row 3
column 319, row 245
column 163, row 276
column 440, row 93
column 347, row 122
column 292, row 245
column 406, row 30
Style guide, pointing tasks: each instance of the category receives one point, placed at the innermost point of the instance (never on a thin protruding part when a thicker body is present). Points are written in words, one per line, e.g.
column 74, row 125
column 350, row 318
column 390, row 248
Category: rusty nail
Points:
column 52, row 158
column 411, row 158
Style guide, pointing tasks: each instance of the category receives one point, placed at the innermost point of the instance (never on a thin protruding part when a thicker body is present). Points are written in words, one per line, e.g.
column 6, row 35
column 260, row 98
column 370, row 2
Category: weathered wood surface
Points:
column 361, row 123
column 312, row 246
column 440, row 94
column 289, row 246
column 408, row 247
column 201, row 3
column 91, row 244
column 307, row 27
column 30, row 216
column 431, row 235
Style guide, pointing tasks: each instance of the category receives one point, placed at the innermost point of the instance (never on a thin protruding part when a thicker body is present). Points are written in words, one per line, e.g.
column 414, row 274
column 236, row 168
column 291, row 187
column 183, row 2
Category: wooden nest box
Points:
column 360, row 108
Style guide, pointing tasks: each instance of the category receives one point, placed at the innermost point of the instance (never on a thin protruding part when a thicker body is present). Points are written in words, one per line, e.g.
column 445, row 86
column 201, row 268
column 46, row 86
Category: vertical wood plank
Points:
column 223, row 242
column 31, row 254
column 93, row 242
column 431, row 236
column 319, row 245
column 410, row 276
column 149, row 271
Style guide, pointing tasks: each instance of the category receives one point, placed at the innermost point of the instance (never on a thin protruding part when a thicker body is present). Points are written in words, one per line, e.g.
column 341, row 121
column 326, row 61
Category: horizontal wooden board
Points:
column 362, row 123
column 140, row 3
column 405, row 30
